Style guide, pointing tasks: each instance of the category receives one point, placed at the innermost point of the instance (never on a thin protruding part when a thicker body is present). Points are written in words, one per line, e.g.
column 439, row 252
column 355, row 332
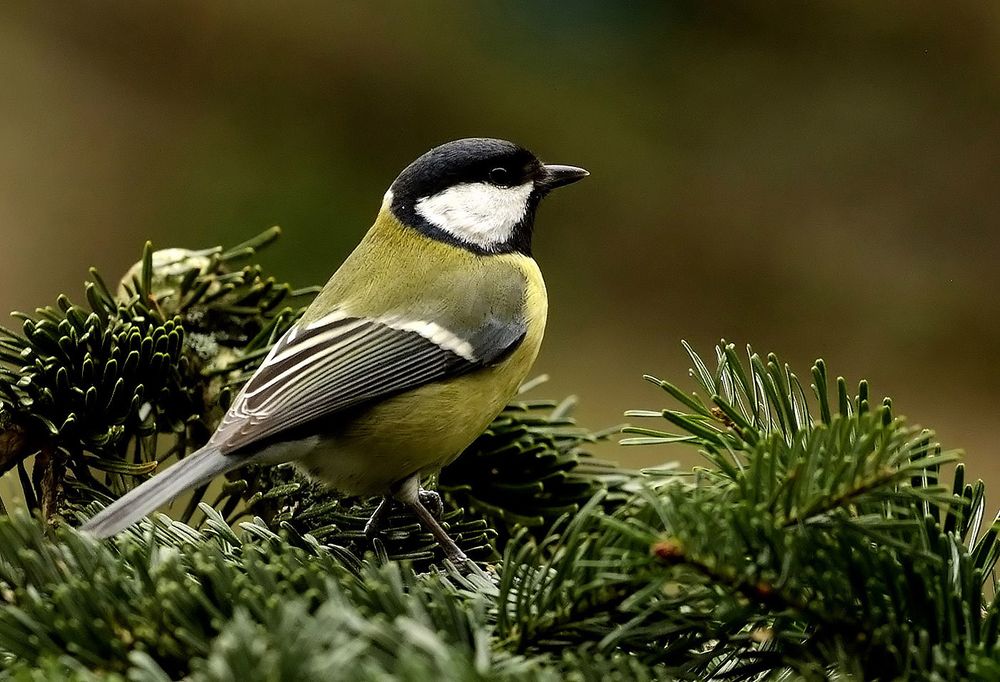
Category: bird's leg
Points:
column 372, row 528
column 408, row 493
column 432, row 501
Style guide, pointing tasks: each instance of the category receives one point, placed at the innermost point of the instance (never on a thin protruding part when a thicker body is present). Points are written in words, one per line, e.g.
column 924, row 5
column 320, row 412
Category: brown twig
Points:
column 49, row 472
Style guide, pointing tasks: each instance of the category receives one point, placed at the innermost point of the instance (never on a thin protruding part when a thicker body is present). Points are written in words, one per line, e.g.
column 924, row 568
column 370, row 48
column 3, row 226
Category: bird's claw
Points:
column 373, row 528
column 432, row 501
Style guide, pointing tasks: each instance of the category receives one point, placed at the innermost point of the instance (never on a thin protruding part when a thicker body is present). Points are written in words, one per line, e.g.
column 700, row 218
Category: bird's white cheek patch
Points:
column 477, row 212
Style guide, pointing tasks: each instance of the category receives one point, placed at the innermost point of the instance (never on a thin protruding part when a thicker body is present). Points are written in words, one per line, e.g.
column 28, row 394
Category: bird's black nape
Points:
column 492, row 162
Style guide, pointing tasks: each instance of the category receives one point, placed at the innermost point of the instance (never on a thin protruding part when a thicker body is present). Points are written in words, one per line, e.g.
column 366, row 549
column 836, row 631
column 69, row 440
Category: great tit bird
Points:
column 413, row 347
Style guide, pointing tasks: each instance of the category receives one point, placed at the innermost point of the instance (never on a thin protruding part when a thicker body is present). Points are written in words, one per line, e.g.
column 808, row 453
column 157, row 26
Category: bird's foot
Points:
column 373, row 528
column 432, row 501
column 418, row 500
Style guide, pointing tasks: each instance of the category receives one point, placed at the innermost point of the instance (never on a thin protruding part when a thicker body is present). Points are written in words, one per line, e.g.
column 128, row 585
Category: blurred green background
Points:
column 819, row 179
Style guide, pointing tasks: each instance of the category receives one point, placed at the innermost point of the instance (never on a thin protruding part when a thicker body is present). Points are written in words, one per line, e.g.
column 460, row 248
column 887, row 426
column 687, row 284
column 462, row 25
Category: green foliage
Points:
column 818, row 541
column 108, row 392
column 230, row 603
column 823, row 537
column 529, row 468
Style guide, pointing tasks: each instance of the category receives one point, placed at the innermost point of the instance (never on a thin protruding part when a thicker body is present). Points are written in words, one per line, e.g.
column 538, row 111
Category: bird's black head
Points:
column 478, row 193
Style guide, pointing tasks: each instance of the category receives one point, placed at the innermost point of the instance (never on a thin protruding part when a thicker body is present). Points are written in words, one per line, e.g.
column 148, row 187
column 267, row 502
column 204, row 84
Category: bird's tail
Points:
column 194, row 470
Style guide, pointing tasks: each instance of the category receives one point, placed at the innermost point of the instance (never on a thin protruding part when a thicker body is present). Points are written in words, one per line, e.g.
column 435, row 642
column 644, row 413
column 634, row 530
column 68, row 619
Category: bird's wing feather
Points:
column 340, row 361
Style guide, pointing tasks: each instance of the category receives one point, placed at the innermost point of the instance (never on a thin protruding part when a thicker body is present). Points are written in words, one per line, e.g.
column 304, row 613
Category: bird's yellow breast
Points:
column 367, row 450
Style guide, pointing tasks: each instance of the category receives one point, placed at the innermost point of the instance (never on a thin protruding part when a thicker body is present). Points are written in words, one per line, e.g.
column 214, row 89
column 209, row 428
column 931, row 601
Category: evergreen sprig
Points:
column 814, row 541
column 189, row 602
column 531, row 467
column 105, row 393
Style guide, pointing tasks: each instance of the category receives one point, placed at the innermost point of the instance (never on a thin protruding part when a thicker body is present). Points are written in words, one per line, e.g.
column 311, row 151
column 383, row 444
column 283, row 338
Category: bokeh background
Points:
column 817, row 179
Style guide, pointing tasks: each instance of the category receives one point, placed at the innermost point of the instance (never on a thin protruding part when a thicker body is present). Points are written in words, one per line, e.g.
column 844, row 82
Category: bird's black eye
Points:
column 499, row 176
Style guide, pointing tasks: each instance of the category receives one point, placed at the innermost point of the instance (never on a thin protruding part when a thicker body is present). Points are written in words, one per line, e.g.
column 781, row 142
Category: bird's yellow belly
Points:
column 421, row 430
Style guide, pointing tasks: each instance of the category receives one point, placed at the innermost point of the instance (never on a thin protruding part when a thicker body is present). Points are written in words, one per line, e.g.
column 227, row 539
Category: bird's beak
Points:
column 554, row 175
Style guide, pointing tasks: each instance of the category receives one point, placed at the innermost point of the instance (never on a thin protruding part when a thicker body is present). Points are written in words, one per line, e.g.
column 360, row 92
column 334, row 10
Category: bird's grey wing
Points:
column 340, row 361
